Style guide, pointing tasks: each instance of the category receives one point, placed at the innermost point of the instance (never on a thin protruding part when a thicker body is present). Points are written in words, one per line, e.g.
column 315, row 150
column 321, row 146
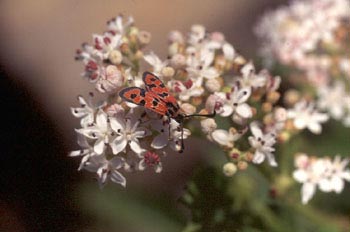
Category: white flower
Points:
column 197, row 34
column 187, row 89
column 217, row 102
column 249, row 78
column 306, row 116
column 106, row 169
column 99, row 131
column 128, row 131
column 199, row 64
column 156, row 63
column 322, row 172
column 170, row 134
column 309, row 174
column 106, row 43
column 86, row 151
column 263, row 145
column 118, row 26
column 331, row 98
column 236, row 102
column 226, row 138
column 335, row 174
column 86, row 112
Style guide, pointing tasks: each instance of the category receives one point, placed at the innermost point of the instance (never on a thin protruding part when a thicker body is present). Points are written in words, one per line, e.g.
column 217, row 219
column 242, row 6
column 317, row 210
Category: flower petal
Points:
column 300, row 175
column 118, row 178
column 244, row 110
column 307, row 192
column 101, row 120
column 135, row 146
column 118, row 144
column 99, row 146
column 160, row 141
column 259, row 157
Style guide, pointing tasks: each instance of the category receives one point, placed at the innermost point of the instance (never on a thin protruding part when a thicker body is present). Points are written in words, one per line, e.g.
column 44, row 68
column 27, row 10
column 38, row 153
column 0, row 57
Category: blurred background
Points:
column 41, row 189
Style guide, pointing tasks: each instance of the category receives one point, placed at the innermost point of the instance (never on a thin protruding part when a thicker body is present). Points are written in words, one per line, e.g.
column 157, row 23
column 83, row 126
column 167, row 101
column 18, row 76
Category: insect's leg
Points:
column 168, row 121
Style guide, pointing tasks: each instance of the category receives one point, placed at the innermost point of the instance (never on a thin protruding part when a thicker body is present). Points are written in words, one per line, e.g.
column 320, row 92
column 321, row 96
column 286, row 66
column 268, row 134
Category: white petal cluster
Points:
column 335, row 99
column 307, row 37
column 305, row 115
column 322, row 173
column 107, row 59
column 111, row 139
column 290, row 33
column 263, row 144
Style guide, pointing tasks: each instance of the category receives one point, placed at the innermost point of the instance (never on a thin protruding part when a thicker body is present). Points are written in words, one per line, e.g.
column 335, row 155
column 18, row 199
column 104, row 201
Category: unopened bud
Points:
column 168, row 72
column 144, row 37
column 242, row 165
column 229, row 169
column 115, row 57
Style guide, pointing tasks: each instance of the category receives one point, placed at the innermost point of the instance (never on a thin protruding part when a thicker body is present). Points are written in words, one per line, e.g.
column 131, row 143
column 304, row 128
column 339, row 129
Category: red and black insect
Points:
column 156, row 97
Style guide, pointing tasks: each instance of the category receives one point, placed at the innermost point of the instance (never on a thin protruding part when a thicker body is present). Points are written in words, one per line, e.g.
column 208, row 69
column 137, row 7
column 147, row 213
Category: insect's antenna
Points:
column 182, row 137
column 212, row 115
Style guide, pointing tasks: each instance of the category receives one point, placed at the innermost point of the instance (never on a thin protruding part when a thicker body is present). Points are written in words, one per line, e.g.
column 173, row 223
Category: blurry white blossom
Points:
column 323, row 173
column 263, row 144
column 305, row 115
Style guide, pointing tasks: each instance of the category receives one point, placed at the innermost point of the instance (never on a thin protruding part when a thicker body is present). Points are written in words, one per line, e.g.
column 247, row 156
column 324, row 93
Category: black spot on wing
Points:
column 163, row 94
column 132, row 94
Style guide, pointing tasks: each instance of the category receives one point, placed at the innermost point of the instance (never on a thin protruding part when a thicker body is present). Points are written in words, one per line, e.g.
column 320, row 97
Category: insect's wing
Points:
column 155, row 103
column 144, row 98
column 155, row 85
column 134, row 95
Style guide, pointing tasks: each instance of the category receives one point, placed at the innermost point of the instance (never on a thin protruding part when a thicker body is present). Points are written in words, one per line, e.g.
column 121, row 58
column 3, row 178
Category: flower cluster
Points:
column 326, row 174
column 312, row 37
column 206, row 75
column 203, row 72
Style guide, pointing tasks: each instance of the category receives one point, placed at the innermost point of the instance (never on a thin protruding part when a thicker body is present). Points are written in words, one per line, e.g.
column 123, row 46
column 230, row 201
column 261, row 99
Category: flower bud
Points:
column 249, row 156
column 115, row 57
column 198, row 30
column 139, row 55
column 208, row 125
column 178, row 60
column 188, row 108
column 229, row 169
column 176, row 37
column 242, row 165
column 168, row 72
column 111, row 79
column 213, row 85
column 267, row 107
column 273, row 96
column 144, row 37
column 280, row 114
column 291, row 97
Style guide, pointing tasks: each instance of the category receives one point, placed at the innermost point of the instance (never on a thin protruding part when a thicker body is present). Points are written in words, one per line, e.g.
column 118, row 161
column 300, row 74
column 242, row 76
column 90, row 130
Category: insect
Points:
column 156, row 97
